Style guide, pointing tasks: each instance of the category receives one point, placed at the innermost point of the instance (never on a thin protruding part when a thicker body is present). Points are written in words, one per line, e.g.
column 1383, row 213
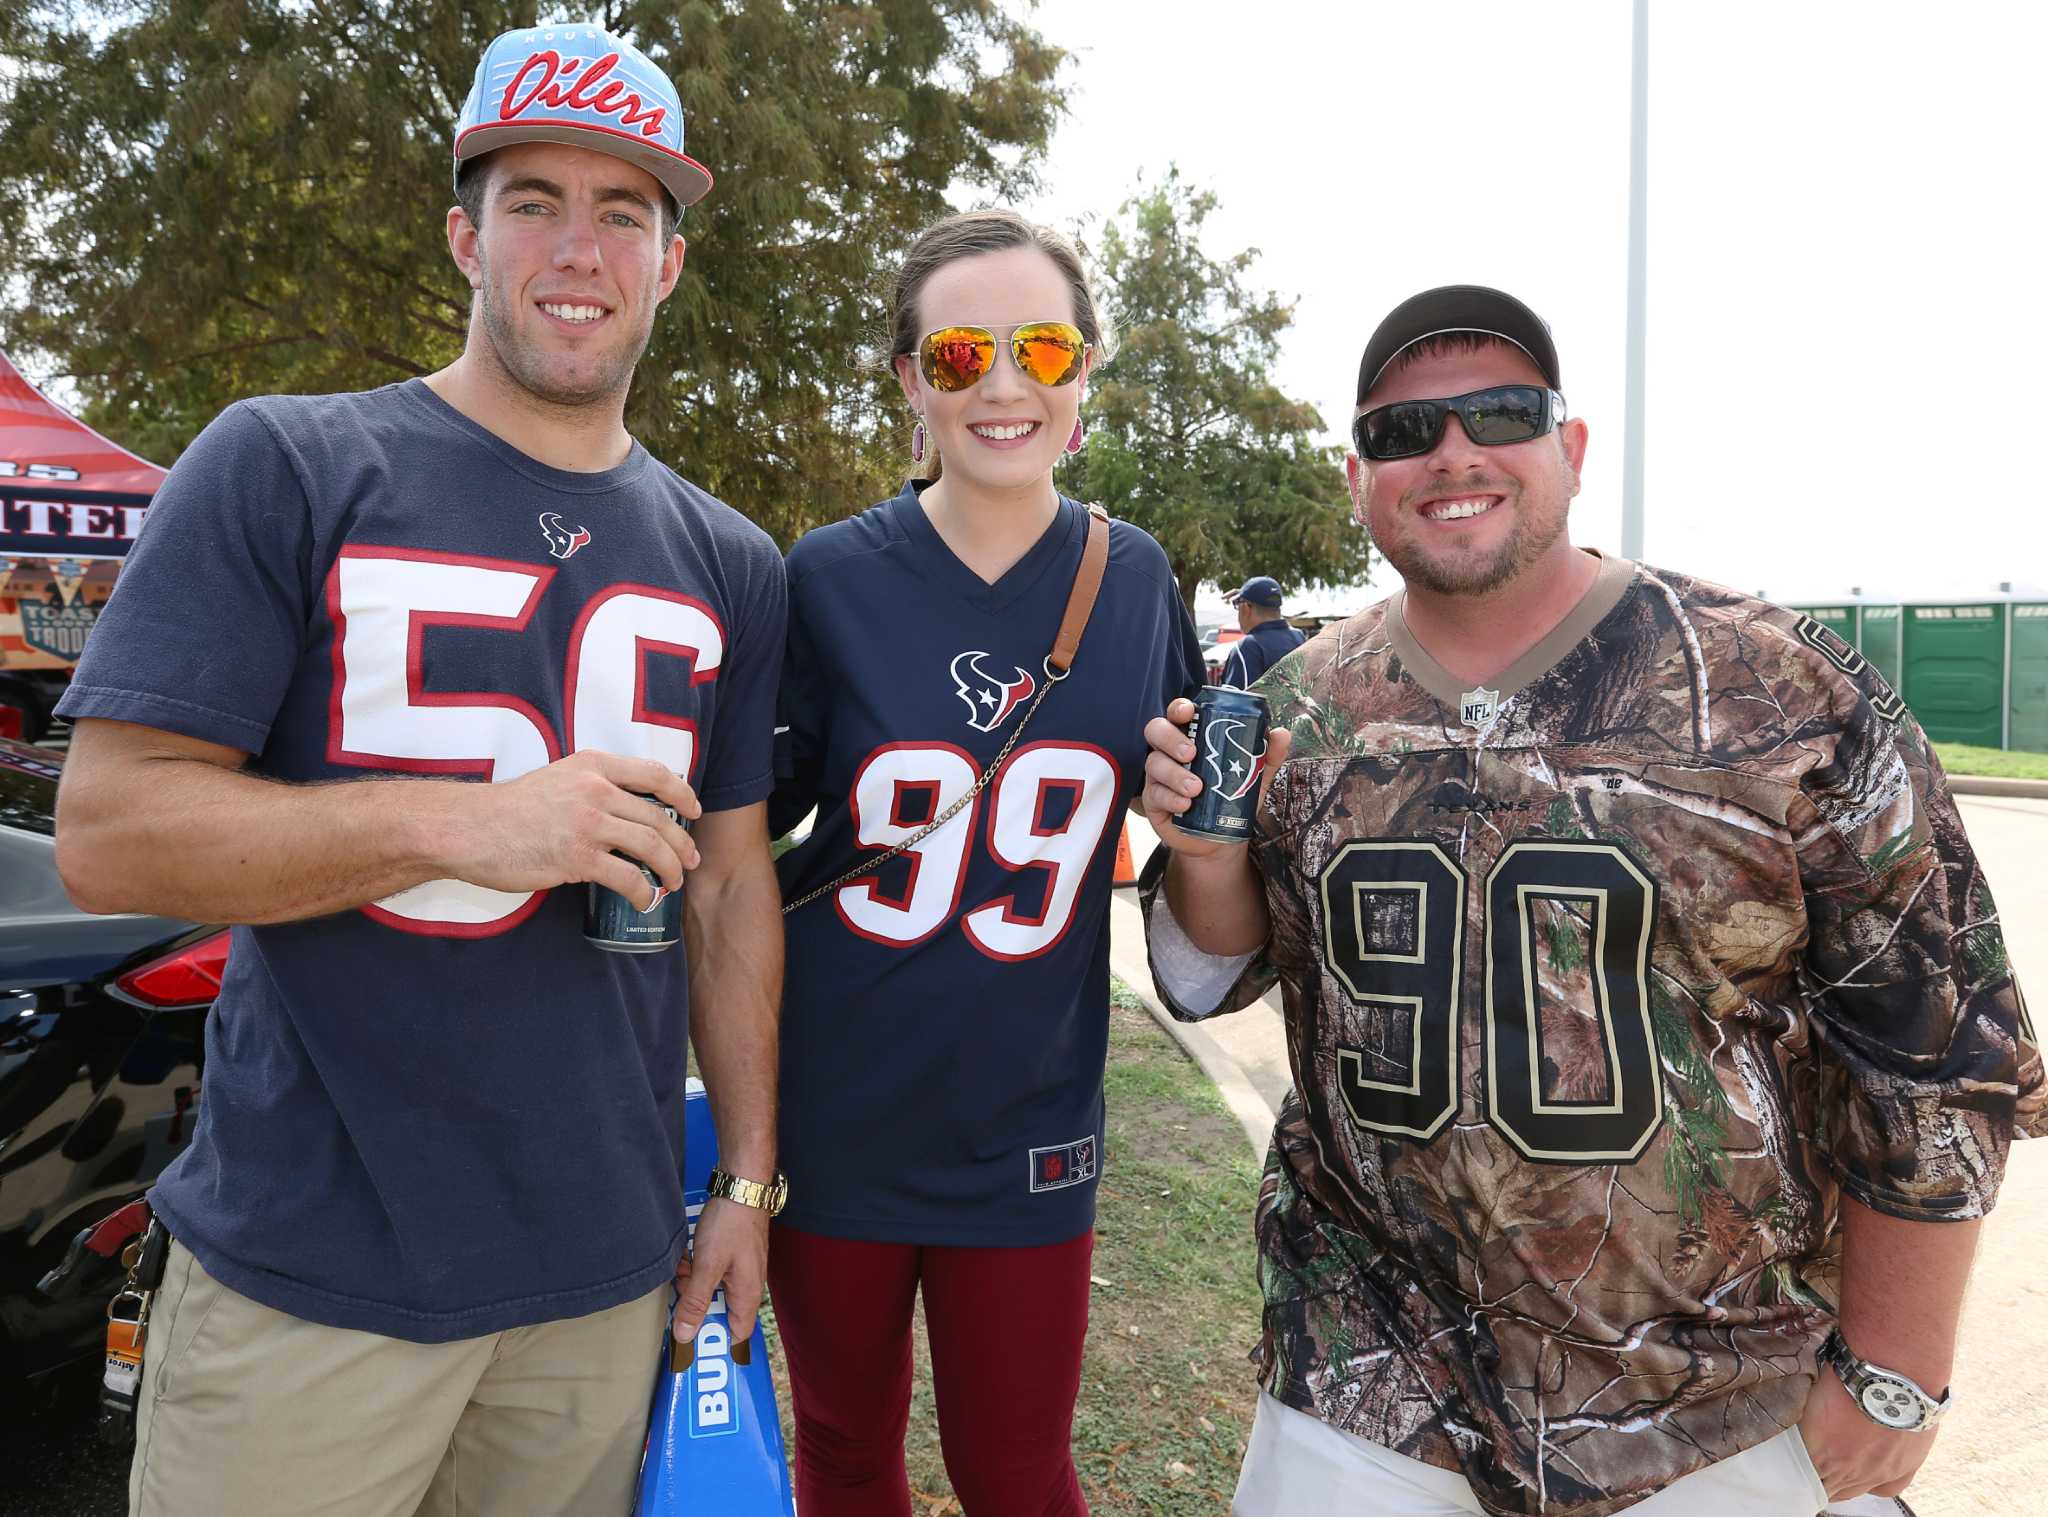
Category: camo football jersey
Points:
column 1602, row 987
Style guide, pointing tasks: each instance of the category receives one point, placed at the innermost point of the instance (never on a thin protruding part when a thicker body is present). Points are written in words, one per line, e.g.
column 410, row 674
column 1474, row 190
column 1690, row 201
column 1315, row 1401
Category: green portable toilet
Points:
column 1878, row 639
column 1953, row 663
column 2030, row 678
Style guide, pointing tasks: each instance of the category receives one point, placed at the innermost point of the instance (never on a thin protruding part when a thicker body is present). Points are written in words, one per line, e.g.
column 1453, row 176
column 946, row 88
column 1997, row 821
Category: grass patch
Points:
column 1992, row 763
column 1166, row 1395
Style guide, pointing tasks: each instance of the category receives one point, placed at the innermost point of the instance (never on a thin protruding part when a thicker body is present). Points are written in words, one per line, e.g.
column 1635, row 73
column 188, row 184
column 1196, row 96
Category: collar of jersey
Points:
column 1616, row 574
column 944, row 566
column 564, row 481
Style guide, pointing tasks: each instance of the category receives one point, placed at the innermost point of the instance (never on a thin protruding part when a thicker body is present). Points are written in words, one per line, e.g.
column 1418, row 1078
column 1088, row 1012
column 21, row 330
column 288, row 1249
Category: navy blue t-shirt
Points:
column 945, row 1019
column 1256, row 652
column 445, row 1114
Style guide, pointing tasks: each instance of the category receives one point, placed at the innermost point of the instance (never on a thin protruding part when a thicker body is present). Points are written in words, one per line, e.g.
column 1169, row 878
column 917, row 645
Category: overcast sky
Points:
column 1845, row 270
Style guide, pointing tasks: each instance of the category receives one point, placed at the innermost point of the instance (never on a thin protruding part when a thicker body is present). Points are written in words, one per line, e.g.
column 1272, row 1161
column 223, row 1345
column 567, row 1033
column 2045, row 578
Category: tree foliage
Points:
column 220, row 198
column 1187, row 434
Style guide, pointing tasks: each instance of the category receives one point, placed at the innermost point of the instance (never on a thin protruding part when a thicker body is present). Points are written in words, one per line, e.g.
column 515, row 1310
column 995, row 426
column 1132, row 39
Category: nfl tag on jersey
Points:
column 1478, row 707
column 1062, row 1165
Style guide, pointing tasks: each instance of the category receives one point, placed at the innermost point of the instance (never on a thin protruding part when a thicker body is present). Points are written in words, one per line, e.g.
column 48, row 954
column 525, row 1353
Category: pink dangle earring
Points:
column 917, row 442
column 1079, row 439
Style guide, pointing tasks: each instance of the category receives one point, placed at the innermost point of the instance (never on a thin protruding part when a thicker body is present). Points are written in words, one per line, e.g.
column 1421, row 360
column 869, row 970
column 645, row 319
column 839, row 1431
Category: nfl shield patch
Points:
column 1478, row 707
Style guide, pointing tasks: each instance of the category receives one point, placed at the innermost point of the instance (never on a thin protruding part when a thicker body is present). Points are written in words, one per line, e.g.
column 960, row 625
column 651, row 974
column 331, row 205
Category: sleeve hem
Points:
column 744, row 793
column 1949, row 1208
column 168, row 713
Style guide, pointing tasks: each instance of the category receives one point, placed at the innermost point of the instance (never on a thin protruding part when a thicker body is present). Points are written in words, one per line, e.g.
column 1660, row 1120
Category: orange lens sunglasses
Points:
column 958, row 358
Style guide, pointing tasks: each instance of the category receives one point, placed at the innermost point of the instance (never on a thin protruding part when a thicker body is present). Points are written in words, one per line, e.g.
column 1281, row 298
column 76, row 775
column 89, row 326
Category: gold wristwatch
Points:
column 770, row 1198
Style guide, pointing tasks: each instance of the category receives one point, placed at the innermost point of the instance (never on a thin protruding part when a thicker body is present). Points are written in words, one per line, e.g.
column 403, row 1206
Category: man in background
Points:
column 1267, row 637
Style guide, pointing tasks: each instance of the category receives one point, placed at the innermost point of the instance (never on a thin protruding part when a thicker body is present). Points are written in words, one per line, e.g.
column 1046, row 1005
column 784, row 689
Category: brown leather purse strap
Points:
column 1080, row 606
column 1087, row 583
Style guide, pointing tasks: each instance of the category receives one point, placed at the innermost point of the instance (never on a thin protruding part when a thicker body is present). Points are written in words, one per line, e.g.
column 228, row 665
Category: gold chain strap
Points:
column 1051, row 678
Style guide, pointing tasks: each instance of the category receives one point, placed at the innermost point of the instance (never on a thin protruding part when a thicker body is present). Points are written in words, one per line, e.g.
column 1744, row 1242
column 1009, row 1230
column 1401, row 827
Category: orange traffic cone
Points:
column 1125, row 873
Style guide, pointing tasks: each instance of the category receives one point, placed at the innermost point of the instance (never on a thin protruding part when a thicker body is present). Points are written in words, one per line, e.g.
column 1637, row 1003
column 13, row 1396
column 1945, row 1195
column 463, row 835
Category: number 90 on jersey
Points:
column 1568, row 1046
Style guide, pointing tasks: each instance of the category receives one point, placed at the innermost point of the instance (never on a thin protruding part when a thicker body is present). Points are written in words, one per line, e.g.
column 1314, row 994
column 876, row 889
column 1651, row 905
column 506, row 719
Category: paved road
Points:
column 2011, row 837
column 51, row 1462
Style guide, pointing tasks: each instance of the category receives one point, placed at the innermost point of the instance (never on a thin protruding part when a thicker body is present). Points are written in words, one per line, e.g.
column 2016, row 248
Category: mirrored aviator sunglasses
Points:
column 958, row 358
column 1492, row 418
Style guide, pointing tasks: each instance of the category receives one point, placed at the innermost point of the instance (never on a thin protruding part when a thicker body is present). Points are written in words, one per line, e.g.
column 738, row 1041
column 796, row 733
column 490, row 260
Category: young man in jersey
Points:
column 427, row 1226
column 1267, row 637
column 1655, row 1045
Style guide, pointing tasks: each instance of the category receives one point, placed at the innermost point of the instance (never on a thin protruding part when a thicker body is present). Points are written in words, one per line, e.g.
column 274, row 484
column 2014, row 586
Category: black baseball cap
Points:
column 1458, row 308
column 1260, row 590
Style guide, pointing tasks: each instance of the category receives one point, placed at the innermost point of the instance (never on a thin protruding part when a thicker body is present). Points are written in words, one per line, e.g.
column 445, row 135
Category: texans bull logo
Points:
column 989, row 700
column 1228, row 767
column 563, row 539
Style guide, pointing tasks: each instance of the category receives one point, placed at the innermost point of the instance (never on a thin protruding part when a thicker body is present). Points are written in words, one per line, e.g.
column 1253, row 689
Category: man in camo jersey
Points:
column 1655, row 1046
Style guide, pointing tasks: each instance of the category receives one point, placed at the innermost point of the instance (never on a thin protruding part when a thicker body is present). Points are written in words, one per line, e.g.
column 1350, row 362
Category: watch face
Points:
column 1892, row 1404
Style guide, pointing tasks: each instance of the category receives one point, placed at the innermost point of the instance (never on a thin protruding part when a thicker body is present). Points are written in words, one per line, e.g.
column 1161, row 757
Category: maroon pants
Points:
column 1005, row 1327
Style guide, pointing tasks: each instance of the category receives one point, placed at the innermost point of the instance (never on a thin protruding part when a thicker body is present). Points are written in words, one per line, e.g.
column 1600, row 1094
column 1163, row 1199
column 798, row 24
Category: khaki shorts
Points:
column 1297, row 1463
column 248, row 1412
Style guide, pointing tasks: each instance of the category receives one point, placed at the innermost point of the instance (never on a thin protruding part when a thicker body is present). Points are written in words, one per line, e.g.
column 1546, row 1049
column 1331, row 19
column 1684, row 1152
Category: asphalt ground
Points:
column 52, row 1463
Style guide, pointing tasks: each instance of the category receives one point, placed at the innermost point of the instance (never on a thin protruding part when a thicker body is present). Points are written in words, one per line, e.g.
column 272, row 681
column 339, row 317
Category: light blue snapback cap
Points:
column 582, row 87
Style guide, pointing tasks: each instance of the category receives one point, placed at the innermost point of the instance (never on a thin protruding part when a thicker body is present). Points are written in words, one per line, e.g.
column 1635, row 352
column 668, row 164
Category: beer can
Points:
column 1229, row 734
column 616, row 925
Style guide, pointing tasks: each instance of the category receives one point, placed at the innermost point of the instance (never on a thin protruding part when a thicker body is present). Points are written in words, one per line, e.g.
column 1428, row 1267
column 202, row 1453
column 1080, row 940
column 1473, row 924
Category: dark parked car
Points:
column 101, row 1020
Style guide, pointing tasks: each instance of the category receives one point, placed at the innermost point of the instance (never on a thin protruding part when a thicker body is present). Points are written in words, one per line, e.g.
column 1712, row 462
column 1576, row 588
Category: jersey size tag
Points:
column 1063, row 1164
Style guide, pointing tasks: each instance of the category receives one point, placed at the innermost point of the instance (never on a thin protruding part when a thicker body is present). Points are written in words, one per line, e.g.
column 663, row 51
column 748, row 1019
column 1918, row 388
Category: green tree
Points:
column 1187, row 434
column 219, row 198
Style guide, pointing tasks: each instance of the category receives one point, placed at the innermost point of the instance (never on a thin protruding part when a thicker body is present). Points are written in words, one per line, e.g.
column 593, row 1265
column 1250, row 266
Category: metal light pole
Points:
column 1638, row 238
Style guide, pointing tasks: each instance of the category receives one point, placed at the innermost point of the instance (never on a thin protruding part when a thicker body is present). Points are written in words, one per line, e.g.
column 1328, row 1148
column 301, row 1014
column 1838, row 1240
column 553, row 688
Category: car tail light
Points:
column 189, row 977
column 10, row 721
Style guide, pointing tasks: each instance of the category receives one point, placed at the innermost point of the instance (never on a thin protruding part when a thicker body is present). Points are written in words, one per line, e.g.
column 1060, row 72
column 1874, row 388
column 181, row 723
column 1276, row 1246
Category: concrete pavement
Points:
column 1992, row 1453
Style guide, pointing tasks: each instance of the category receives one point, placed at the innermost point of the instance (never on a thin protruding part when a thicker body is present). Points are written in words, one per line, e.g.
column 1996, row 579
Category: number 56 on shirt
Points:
column 383, row 601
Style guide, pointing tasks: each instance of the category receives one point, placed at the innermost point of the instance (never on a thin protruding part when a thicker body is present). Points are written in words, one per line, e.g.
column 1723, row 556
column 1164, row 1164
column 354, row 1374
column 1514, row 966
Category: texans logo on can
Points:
column 1229, row 733
column 1229, row 767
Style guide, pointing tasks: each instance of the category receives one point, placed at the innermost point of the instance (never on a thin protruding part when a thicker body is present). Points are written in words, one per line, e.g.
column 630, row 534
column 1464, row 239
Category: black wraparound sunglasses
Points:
column 1491, row 418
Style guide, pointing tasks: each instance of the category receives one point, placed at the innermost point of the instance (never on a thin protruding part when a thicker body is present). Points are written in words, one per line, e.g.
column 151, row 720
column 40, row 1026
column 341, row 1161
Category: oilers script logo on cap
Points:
column 582, row 87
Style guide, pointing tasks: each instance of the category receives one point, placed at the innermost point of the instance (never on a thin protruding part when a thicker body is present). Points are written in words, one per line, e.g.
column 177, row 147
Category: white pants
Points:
column 1297, row 1463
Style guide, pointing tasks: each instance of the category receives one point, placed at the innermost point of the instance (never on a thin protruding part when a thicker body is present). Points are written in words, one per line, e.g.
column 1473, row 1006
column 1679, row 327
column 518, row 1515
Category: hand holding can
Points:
column 615, row 924
column 1229, row 737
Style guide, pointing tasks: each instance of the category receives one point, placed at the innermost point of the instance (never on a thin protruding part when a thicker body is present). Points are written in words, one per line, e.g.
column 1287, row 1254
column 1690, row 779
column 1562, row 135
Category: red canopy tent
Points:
column 71, row 503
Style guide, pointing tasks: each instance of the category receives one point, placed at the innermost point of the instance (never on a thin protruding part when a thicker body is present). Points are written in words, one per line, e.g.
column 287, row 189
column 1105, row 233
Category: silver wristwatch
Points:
column 1887, row 1397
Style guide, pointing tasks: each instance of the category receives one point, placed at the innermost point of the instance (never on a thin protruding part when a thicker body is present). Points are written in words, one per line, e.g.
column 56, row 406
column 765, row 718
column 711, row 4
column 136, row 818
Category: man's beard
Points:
column 1462, row 574
column 530, row 370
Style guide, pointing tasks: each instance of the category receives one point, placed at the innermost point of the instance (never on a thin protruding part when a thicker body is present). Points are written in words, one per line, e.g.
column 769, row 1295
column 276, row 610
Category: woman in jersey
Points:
column 945, row 1017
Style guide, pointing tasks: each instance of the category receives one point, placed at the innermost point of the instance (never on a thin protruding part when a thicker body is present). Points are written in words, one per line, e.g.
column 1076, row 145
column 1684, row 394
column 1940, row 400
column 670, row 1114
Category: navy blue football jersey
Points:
column 945, row 1017
column 444, row 1114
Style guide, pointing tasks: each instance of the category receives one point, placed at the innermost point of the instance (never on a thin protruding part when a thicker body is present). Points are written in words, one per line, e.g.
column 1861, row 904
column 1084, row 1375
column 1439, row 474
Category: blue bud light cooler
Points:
column 715, row 1442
